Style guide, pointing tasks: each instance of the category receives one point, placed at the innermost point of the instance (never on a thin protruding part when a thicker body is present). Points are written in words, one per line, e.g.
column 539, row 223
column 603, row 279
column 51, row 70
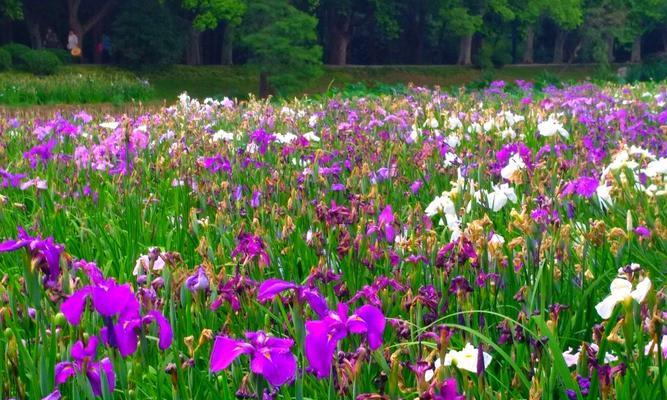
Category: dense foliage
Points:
column 497, row 242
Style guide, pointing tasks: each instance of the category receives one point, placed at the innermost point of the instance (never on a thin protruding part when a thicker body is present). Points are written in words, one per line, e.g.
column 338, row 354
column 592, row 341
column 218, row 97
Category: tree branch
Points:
column 106, row 9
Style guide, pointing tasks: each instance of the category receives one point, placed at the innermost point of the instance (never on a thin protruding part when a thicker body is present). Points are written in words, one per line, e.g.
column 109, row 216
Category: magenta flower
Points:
column 447, row 391
column 270, row 356
column 584, row 186
column 198, row 282
column 112, row 300
column 108, row 298
column 84, row 363
column 273, row 287
column 385, row 224
column 323, row 336
column 251, row 247
column 45, row 252
column 125, row 334
column 10, row 180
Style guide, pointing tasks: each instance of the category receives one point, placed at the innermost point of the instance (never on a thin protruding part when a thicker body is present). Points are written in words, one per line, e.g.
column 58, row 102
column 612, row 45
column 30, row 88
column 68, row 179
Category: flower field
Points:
column 482, row 244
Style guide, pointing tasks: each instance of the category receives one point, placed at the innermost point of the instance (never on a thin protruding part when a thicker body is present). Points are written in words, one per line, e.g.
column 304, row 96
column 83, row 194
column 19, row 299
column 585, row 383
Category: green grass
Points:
column 238, row 81
column 73, row 85
column 91, row 84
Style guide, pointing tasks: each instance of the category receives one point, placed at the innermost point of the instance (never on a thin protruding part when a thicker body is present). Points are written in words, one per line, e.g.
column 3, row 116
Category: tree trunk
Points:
column 339, row 33
column 193, row 51
column 530, row 45
column 81, row 28
column 227, row 54
column 610, row 49
column 264, row 89
column 337, row 51
column 33, row 31
column 636, row 55
column 465, row 50
column 559, row 46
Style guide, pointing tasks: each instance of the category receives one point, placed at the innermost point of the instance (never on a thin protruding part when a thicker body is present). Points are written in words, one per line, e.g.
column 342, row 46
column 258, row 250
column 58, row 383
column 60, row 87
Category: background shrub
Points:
column 5, row 60
column 17, row 52
column 63, row 55
column 41, row 62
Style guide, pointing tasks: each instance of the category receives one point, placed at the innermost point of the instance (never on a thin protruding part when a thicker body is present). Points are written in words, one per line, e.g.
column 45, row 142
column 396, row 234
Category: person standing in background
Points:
column 51, row 39
column 72, row 41
column 106, row 48
column 73, row 46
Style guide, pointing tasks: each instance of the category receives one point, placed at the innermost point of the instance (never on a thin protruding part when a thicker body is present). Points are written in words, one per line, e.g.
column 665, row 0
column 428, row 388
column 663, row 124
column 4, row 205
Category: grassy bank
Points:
column 238, row 81
column 85, row 84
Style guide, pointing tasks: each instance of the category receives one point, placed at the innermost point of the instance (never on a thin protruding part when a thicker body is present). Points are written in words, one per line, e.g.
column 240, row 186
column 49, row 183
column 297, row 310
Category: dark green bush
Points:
column 63, row 55
column 654, row 69
column 17, row 52
column 41, row 62
column 5, row 60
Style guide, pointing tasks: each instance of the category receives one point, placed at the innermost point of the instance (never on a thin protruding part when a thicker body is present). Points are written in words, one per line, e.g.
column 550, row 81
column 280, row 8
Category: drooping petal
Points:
column 606, row 306
column 316, row 302
column 12, row 245
column 127, row 336
column 73, row 307
column 643, row 287
column 111, row 299
column 63, row 371
column 369, row 320
column 94, row 374
column 225, row 351
column 278, row 367
column 271, row 287
column 166, row 334
column 319, row 347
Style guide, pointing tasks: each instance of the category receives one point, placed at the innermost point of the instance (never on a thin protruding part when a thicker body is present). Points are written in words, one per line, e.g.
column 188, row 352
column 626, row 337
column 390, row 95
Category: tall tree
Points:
column 341, row 19
column 282, row 41
column 528, row 14
column 567, row 14
column 208, row 14
column 643, row 16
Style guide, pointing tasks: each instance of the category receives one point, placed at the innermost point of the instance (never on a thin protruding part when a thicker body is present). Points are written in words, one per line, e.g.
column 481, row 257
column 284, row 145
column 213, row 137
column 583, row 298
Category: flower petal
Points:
column 73, row 307
column 271, row 287
column 370, row 320
column 225, row 351
column 643, row 287
column 278, row 367
column 319, row 347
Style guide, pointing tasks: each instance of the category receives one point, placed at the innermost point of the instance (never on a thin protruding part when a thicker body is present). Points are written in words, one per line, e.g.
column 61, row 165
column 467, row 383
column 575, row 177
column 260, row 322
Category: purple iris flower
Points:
column 255, row 200
column 272, row 287
column 198, row 282
column 385, row 224
column 45, row 252
column 84, row 363
column 584, row 186
column 42, row 152
column 215, row 164
column 415, row 186
column 109, row 299
column 323, row 336
column 270, row 356
column 250, row 247
column 125, row 334
column 642, row 231
column 11, row 180
column 448, row 391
